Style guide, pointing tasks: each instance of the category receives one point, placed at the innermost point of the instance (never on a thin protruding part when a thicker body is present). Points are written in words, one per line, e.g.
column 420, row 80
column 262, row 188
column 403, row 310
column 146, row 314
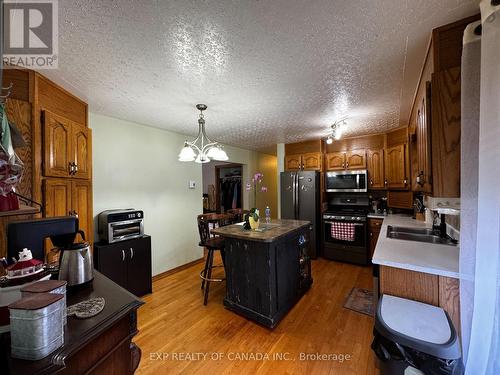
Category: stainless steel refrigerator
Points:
column 300, row 200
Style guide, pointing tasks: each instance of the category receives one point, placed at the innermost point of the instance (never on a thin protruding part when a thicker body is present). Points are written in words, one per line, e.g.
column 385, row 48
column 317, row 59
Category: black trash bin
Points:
column 415, row 338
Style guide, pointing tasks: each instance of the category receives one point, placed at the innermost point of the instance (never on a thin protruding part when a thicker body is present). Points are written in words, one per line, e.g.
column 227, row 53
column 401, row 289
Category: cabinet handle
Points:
column 70, row 167
column 123, row 255
column 76, row 168
column 385, row 182
column 75, row 213
column 405, row 182
column 131, row 253
column 371, row 182
column 347, row 165
column 343, row 165
column 371, row 234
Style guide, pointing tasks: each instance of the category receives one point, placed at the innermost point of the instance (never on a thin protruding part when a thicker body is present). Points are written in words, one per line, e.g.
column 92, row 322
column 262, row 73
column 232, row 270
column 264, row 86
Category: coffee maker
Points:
column 75, row 259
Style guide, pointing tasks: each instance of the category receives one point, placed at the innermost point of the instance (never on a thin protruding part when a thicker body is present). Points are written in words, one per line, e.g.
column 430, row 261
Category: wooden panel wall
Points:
column 19, row 113
column 445, row 129
column 374, row 142
column 403, row 283
column 304, row 147
column 423, row 287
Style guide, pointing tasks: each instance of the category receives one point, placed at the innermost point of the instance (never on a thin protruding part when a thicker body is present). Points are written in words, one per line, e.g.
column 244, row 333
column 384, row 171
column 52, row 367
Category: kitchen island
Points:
column 267, row 271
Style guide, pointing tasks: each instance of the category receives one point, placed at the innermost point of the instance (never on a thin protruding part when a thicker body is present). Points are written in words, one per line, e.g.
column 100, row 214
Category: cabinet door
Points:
column 139, row 266
column 423, row 135
column 374, row 226
column 57, row 197
column 112, row 262
column 311, row 161
column 355, row 159
column 375, row 165
column 81, row 206
column 335, row 161
column 293, row 162
column 81, row 151
column 395, row 167
column 56, row 145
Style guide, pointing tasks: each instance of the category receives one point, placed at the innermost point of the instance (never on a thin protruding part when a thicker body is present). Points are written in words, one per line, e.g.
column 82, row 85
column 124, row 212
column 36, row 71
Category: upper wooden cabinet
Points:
column 310, row 161
column 335, row 161
column 82, row 151
column 422, row 176
column 395, row 167
column 354, row 159
column 66, row 148
column 293, row 162
column 375, row 166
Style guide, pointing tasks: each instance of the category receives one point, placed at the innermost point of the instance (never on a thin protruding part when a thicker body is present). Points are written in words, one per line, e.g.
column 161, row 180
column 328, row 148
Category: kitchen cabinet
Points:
column 293, row 162
column 375, row 167
column 422, row 168
column 335, row 161
column 395, row 167
column 309, row 162
column 67, row 147
column 127, row 263
column 63, row 197
column 353, row 159
column 374, row 226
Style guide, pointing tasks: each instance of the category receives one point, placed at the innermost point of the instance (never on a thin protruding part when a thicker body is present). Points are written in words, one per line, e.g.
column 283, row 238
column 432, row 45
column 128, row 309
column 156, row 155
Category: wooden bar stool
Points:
column 212, row 243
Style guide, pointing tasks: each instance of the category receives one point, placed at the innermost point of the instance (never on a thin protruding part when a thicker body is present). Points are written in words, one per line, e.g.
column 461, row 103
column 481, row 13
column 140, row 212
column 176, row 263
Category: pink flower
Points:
column 263, row 189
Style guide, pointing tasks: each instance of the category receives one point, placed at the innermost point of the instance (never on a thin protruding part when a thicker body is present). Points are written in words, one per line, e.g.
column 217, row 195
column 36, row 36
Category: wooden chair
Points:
column 207, row 222
column 237, row 215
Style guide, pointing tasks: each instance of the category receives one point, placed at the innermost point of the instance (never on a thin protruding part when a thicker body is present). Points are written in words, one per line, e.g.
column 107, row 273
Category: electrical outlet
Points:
column 192, row 184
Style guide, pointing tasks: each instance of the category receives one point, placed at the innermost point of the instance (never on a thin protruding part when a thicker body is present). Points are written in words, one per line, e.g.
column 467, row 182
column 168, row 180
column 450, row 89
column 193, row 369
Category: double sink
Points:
column 419, row 235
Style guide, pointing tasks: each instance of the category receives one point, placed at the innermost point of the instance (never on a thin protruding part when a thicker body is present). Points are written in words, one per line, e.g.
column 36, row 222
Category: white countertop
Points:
column 425, row 257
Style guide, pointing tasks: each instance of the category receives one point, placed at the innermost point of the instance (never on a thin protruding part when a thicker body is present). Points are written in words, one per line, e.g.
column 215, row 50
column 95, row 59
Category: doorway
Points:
column 222, row 187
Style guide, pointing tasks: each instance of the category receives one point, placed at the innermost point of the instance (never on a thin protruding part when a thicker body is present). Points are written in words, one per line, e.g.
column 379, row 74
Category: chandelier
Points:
column 202, row 149
column 337, row 130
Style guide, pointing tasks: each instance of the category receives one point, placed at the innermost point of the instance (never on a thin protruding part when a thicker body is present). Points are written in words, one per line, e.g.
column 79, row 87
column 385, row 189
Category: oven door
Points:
column 359, row 233
column 346, row 181
column 124, row 230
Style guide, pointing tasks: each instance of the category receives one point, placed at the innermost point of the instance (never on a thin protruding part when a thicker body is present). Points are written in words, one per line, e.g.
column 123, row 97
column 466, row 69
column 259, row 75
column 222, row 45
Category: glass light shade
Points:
column 202, row 158
column 338, row 133
column 329, row 140
column 221, row 155
column 187, row 154
column 213, row 152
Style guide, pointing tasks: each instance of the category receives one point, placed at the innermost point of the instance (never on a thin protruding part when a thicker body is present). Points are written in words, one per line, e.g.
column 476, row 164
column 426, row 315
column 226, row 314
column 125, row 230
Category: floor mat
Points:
column 360, row 300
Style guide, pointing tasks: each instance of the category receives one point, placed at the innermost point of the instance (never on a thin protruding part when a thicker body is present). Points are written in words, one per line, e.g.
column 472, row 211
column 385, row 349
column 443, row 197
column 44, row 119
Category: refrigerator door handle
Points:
column 297, row 200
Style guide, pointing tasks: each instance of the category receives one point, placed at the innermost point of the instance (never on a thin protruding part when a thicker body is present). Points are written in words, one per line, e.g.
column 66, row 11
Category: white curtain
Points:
column 480, row 249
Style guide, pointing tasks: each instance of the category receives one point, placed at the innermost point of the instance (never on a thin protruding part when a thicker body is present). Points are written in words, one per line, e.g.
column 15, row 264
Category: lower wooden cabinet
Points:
column 127, row 263
column 374, row 226
column 63, row 197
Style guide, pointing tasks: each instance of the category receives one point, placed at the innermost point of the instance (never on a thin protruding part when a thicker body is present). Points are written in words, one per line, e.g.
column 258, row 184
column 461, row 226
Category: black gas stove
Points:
column 345, row 230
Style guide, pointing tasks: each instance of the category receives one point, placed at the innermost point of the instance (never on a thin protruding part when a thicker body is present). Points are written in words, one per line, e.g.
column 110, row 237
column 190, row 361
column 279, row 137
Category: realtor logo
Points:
column 30, row 33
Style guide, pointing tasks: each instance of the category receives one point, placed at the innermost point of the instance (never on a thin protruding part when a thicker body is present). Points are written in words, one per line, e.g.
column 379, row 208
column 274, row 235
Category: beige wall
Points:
column 136, row 166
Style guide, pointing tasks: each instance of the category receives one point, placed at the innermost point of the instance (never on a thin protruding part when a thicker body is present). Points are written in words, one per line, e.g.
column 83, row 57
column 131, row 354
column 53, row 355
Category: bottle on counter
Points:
column 268, row 214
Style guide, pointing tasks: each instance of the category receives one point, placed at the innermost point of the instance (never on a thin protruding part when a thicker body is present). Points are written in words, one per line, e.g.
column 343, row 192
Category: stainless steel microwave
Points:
column 346, row 181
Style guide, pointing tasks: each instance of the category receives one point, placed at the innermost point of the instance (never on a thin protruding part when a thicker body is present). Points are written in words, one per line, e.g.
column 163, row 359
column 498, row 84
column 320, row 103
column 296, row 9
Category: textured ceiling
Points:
column 269, row 70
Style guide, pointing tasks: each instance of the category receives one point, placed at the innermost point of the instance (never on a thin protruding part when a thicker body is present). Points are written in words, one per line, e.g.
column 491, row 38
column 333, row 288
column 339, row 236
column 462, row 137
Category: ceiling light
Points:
column 329, row 140
column 202, row 149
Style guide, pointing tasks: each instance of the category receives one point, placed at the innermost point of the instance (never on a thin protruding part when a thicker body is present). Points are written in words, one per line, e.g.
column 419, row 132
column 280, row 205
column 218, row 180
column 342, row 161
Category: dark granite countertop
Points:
column 267, row 232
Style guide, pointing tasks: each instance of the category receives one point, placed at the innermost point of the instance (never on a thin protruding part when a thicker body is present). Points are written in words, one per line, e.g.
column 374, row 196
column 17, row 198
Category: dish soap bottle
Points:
column 268, row 214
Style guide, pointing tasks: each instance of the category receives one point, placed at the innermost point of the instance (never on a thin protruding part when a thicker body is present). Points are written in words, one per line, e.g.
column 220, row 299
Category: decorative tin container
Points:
column 47, row 286
column 36, row 325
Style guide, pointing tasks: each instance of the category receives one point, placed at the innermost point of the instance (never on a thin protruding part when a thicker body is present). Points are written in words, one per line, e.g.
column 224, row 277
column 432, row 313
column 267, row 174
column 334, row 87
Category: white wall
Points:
column 136, row 166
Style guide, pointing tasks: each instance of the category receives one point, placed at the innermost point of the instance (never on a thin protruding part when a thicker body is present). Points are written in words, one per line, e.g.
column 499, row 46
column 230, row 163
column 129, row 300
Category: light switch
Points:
column 192, row 184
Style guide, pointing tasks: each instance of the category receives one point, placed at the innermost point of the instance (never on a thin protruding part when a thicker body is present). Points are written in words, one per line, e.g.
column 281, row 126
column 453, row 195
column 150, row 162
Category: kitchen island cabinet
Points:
column 97, row 345
column 267, row 271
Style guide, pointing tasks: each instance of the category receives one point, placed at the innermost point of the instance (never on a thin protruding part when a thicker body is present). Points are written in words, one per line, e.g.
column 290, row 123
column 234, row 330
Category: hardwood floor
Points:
column 180, row 335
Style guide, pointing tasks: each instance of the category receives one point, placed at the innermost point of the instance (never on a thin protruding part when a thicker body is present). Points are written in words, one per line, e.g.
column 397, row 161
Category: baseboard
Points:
column 177, row 269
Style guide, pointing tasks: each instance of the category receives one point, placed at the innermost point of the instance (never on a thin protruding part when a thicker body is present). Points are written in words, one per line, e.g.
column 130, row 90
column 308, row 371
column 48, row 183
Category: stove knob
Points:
column 342, row 217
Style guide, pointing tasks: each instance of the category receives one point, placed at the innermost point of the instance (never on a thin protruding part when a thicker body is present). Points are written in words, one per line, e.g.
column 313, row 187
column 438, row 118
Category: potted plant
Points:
column 252, row 219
